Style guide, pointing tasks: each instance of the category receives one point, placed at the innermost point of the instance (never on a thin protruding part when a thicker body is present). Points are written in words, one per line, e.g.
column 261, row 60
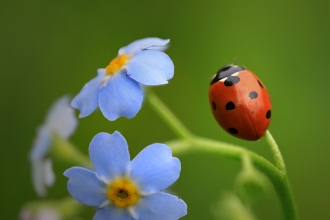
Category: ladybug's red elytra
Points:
column 240, row 102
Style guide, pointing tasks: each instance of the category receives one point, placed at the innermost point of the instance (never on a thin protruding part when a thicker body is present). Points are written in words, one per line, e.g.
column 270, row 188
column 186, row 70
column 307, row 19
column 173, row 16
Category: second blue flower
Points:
column 117, row 90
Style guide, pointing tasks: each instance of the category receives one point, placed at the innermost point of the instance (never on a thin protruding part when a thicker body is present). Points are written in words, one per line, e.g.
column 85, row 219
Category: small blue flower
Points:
column 117, row 88
column 61, row 121
column 45, row 213
column 124, row 189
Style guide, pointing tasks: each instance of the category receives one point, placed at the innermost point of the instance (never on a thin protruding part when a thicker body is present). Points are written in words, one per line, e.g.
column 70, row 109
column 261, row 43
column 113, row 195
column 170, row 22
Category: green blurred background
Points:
column 49, row 48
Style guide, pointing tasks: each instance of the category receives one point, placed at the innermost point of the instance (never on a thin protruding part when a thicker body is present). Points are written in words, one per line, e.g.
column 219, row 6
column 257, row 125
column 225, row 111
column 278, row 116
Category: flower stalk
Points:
column 279, row 162
column 189, row 143
column 64, row 150
column 165, row 113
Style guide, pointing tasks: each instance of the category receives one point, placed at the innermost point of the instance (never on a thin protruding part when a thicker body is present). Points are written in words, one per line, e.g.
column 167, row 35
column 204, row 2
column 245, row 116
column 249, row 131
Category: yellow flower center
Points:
column 116, row 64
column 123, row 192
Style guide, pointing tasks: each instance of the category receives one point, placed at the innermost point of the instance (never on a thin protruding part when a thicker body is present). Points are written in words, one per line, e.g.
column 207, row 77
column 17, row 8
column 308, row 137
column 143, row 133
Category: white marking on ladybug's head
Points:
column 223, row 79
column 235, row 74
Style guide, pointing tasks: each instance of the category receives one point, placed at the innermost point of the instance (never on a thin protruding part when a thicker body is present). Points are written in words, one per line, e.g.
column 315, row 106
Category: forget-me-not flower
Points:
column 124, row 189
column 116, row 89
column 61, row 121
column 42, row 214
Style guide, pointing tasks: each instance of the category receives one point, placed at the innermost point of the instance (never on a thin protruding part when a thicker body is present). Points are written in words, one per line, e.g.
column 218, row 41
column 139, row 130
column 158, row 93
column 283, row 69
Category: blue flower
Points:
column 45, row 213
column 117, row 88
column 61, row 121
column 124, row 189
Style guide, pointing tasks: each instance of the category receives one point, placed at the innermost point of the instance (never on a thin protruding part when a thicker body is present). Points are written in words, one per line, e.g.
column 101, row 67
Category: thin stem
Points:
column 235, row 152
column 276, row 174
column 246, row 161
column 279, row 162
column 66, row 151
column 169, row 118
column 278, row 178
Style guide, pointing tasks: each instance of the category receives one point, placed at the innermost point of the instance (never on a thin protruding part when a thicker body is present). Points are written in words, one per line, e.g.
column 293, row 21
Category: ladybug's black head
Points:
column 225, row 72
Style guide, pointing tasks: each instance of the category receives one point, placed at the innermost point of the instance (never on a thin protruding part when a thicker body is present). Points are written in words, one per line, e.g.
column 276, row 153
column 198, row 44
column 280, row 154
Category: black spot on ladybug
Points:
column 260, row 84
column 230, row 106
column 253, row 95
column 252, row 112
column 214, row 106
column 268, row 114
column 233, row 130
column 231, row 80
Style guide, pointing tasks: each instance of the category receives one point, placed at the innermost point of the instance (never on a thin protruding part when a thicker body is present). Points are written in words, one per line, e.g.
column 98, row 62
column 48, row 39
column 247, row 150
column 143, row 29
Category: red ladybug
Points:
column 240, row 102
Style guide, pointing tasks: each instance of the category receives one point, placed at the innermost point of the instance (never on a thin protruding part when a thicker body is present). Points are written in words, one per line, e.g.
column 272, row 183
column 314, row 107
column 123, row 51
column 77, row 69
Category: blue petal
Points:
column 109, row 154
column 48, row 173
column 61, row 118
column 161, row 206
column 151, row 43
column 87, row 99
column 41, row 168
column 154, row 168
column 150, row 67
column 120, row 96
column 41, row 145
column 85, row 186
column 112, row 212
column 42, row 176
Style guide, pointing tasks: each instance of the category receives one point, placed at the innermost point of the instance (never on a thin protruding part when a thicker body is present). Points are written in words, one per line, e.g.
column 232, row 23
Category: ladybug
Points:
column 240, row 102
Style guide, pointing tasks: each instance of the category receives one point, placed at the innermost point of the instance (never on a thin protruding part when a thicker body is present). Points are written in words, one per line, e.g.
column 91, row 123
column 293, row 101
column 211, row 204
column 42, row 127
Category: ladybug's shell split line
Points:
column 240, row 102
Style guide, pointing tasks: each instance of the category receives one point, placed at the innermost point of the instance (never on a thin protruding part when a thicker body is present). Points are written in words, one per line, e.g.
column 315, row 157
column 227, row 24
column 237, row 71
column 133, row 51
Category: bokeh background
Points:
column 50, row 48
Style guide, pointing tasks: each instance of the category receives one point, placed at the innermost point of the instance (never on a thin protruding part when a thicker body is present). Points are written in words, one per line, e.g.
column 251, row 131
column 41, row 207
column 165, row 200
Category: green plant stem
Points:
column 65, row 151
column 191, row 143
column 277, row 177
column 279, row 162
column 246, row 161
column 172, row 121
